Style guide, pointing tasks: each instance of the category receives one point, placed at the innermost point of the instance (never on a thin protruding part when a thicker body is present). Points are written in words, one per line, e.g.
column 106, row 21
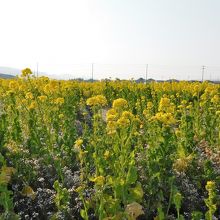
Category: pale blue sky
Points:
column 175, row 37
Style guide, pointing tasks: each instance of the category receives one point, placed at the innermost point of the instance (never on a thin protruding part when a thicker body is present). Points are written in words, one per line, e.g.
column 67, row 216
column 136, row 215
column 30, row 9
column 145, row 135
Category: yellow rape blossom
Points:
column 111, row 127
column 42, row 98
column 98, row 100
column 13, row 85
column 150, row 105
column 165, row 105
column 210, row 185
column 165, row 118
column 164, row 102
column 120, row 104
column 99, row 180
column 111, row 117
column 106, row 154
column 26, row 72
column 29, row 95
column 47, row 88
column 33, row 105
column 78, row 142
column 215, row 99
column 59, row 101
column 127, row 115
column 123, row 122
column 111, row 112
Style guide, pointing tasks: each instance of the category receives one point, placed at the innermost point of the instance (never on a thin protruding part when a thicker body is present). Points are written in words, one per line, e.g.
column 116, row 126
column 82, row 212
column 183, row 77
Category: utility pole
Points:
column 203, row 71
column 146, row 73
column 37, row 69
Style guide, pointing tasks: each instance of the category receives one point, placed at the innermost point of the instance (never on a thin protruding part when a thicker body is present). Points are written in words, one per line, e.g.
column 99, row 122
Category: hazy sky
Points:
column 175, row 37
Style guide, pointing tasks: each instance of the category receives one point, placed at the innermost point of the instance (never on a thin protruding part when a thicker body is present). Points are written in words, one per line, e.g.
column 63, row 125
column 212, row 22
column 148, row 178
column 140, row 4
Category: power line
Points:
column 203, row 70
column 37, row 69
column 146, row 72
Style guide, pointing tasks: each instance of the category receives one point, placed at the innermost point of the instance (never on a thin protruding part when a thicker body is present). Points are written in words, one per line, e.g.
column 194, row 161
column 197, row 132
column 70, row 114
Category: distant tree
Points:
column 140, row 80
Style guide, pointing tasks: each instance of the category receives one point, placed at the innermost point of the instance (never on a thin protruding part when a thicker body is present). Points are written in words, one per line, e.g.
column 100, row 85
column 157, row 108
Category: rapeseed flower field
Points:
column 109, row 150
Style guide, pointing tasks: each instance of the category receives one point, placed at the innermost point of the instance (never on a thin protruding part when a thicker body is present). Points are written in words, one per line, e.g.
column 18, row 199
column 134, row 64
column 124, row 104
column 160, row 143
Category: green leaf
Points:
column 83, row 213
column 161, row 214
column 118, row 189
column 177, row 199
column 132, row 175
column 112, row 204
column 196, row 215
column 181, row 217
column 137, row 193
column 2, row 159
column 56, row 185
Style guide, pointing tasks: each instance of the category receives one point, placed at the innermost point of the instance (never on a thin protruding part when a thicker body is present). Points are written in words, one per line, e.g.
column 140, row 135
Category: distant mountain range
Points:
column 6, row 76
column 7, row 72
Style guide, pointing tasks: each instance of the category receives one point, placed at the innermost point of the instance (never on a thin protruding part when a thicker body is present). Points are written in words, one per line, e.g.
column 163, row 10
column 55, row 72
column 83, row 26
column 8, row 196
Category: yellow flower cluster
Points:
column 107, row 154
column 127, row 115
column 13, row 85
column 78, row 149
column 150, row 105
column 165, row 118
column 210, row 186
column 26, row 72
column 123, row 122
column 111, row 117
column 78, row 142
column 98, row 100
column 33, row 105
column 59, row 101
column 148, row 111
column 42, row 98
column 215, row 99
column 117, row 119
column 29, row 95
column 125, row 119
column 51, row 87
column 99, row 180
column 111, row 127
column 165, row 105
column 120, row 104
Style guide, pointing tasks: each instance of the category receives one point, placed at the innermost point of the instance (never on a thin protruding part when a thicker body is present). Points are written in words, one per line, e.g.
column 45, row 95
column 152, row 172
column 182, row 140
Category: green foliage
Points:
column 62, row 197
column 138, row 148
